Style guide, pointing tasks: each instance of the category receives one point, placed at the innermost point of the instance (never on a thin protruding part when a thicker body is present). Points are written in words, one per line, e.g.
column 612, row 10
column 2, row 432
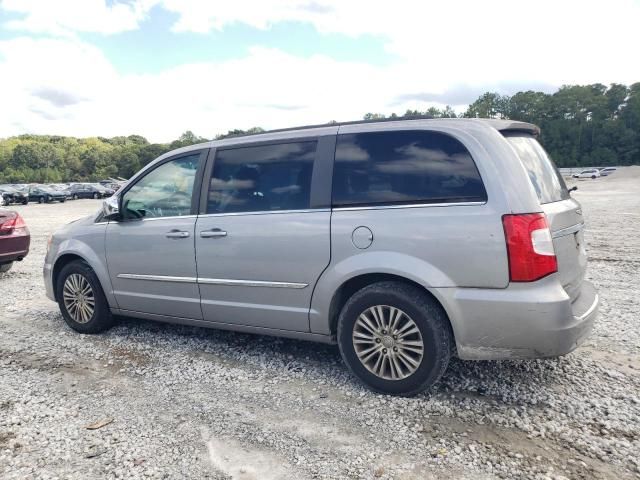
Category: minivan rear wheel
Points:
column 394, row 338
column 81, row 299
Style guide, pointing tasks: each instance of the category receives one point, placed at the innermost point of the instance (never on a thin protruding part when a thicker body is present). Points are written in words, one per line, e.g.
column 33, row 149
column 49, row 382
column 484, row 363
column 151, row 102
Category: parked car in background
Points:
column 62, row 188
column 86, row 190
column 604, row 172
column 106, row 191
column 13, row 195
column 590, row 173
column 44, row 194
column 112, row 183
column 394, row 239
column 14, row 239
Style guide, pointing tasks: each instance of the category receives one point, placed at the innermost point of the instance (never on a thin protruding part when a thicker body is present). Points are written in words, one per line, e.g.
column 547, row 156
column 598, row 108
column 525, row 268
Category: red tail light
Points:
column 8, row 225
column 529, row 247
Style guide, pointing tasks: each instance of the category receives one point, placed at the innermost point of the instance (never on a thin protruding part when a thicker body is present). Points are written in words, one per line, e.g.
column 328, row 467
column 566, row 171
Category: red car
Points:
column 14, row 239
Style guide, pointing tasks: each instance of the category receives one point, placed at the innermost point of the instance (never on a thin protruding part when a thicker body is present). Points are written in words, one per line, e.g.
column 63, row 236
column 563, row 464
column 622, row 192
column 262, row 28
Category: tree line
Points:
column 582, row 125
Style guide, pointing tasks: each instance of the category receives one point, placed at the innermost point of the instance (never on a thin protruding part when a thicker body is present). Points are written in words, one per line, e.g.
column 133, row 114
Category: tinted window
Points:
column 268, row 177
column 403, row 167
column 543, row 174
column 163, row 192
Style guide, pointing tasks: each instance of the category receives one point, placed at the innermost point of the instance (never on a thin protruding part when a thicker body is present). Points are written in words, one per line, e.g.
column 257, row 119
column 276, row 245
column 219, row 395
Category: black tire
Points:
column 41, row 200
column 593, row 177
column 75, row 197
column 95, row 196
column 101, row 319
column 25, row 202
column 63, row 200
column 428, row 316
column 5, row 267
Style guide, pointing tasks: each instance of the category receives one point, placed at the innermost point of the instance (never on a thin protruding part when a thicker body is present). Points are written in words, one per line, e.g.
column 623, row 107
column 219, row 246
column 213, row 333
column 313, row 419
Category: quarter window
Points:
column 166, row 191
column 542, row 172
column 403, row 167
column 262, row 178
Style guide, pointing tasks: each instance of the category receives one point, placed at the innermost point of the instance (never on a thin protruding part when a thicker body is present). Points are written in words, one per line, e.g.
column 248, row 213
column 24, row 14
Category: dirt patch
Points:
column 5, row 437
column 628, row 364
column 135, row 357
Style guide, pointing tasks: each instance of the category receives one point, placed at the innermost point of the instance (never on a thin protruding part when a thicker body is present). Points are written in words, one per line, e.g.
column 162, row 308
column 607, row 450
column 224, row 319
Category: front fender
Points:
column 97, row 261
column 392, row 263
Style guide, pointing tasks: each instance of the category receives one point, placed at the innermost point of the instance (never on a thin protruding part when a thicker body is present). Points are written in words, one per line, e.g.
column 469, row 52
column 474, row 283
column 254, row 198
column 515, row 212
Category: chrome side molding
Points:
column 213, row 281
column 158, row 278
column 250, row 283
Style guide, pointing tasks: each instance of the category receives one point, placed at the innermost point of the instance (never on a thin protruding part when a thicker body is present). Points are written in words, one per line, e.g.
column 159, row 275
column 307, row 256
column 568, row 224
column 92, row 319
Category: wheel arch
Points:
column 60, row 263
column 358, row 282
column 98, row 268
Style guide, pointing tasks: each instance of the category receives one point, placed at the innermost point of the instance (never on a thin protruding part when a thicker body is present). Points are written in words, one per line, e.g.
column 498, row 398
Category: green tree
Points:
column 489, row 105
column 582, row 125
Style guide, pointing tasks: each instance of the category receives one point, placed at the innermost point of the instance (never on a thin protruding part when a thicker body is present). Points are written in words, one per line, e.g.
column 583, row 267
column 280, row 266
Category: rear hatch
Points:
column 564, row 213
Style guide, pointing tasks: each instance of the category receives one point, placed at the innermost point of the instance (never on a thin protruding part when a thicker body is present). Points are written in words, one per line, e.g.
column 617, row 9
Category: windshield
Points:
column 543, row 174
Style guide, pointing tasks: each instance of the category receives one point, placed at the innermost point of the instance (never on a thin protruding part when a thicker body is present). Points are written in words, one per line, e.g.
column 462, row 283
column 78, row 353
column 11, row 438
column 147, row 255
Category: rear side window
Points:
column 262, row 178
column 543, row 174
column 403, row 167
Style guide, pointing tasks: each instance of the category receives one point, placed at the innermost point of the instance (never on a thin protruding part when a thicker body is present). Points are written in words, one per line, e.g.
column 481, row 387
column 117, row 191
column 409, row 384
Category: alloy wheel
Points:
column 78, row 298
column 388, row 342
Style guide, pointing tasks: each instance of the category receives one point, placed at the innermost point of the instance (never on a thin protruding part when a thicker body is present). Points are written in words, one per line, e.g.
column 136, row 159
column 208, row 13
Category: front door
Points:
column 150, row 253
column 260, row 247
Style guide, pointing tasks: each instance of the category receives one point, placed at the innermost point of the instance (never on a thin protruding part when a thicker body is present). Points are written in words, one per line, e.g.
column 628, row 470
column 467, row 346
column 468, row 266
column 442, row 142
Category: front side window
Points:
column 403, row 167
column 166, row 191
column 262, row 178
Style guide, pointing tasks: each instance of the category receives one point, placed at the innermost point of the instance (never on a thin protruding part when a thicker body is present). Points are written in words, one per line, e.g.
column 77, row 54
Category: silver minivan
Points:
column 404, row 242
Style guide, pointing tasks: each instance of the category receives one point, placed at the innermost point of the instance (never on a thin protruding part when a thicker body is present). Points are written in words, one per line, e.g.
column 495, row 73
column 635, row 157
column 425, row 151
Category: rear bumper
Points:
column 14, row 247
column 533, row 320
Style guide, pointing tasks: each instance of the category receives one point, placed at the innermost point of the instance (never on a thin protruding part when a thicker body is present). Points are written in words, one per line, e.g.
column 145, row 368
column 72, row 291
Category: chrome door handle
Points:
column 213, row 233
column 177, row 234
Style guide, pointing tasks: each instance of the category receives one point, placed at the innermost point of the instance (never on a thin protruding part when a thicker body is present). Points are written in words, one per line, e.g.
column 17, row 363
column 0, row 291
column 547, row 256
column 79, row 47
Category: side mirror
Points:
column 111, row 208
column 573, row 189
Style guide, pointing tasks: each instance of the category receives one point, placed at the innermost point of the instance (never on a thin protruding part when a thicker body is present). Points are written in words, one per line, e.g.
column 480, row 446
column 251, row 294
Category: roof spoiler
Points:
column 507, row 126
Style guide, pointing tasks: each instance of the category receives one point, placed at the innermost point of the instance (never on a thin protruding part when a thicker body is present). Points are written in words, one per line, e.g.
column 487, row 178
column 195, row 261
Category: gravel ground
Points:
column 194, row 403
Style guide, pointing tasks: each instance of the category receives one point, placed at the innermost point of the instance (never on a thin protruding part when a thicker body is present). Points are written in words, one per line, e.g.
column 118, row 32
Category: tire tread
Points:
column 433, row 313
column 103, row 319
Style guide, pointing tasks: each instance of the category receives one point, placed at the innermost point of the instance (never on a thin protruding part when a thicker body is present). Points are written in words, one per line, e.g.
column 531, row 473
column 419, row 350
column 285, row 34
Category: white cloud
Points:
column 66, row 17
column 546, row 41
column 198, row 16
column 67, row 87
column 444, row 50
column 44, row 82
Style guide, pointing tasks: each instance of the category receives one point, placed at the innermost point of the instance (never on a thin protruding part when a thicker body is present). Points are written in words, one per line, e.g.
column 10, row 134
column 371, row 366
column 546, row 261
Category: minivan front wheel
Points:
column 81, row 299
column 394, row 338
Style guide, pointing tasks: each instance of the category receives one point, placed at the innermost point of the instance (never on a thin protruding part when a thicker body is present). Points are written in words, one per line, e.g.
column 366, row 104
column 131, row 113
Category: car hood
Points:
column 80, row 222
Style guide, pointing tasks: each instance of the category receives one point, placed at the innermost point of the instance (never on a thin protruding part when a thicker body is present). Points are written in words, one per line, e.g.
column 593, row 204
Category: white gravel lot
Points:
column 194, row 403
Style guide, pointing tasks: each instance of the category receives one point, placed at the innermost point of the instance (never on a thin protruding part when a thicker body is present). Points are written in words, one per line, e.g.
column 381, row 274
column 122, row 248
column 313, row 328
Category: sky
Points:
column 160, row 67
